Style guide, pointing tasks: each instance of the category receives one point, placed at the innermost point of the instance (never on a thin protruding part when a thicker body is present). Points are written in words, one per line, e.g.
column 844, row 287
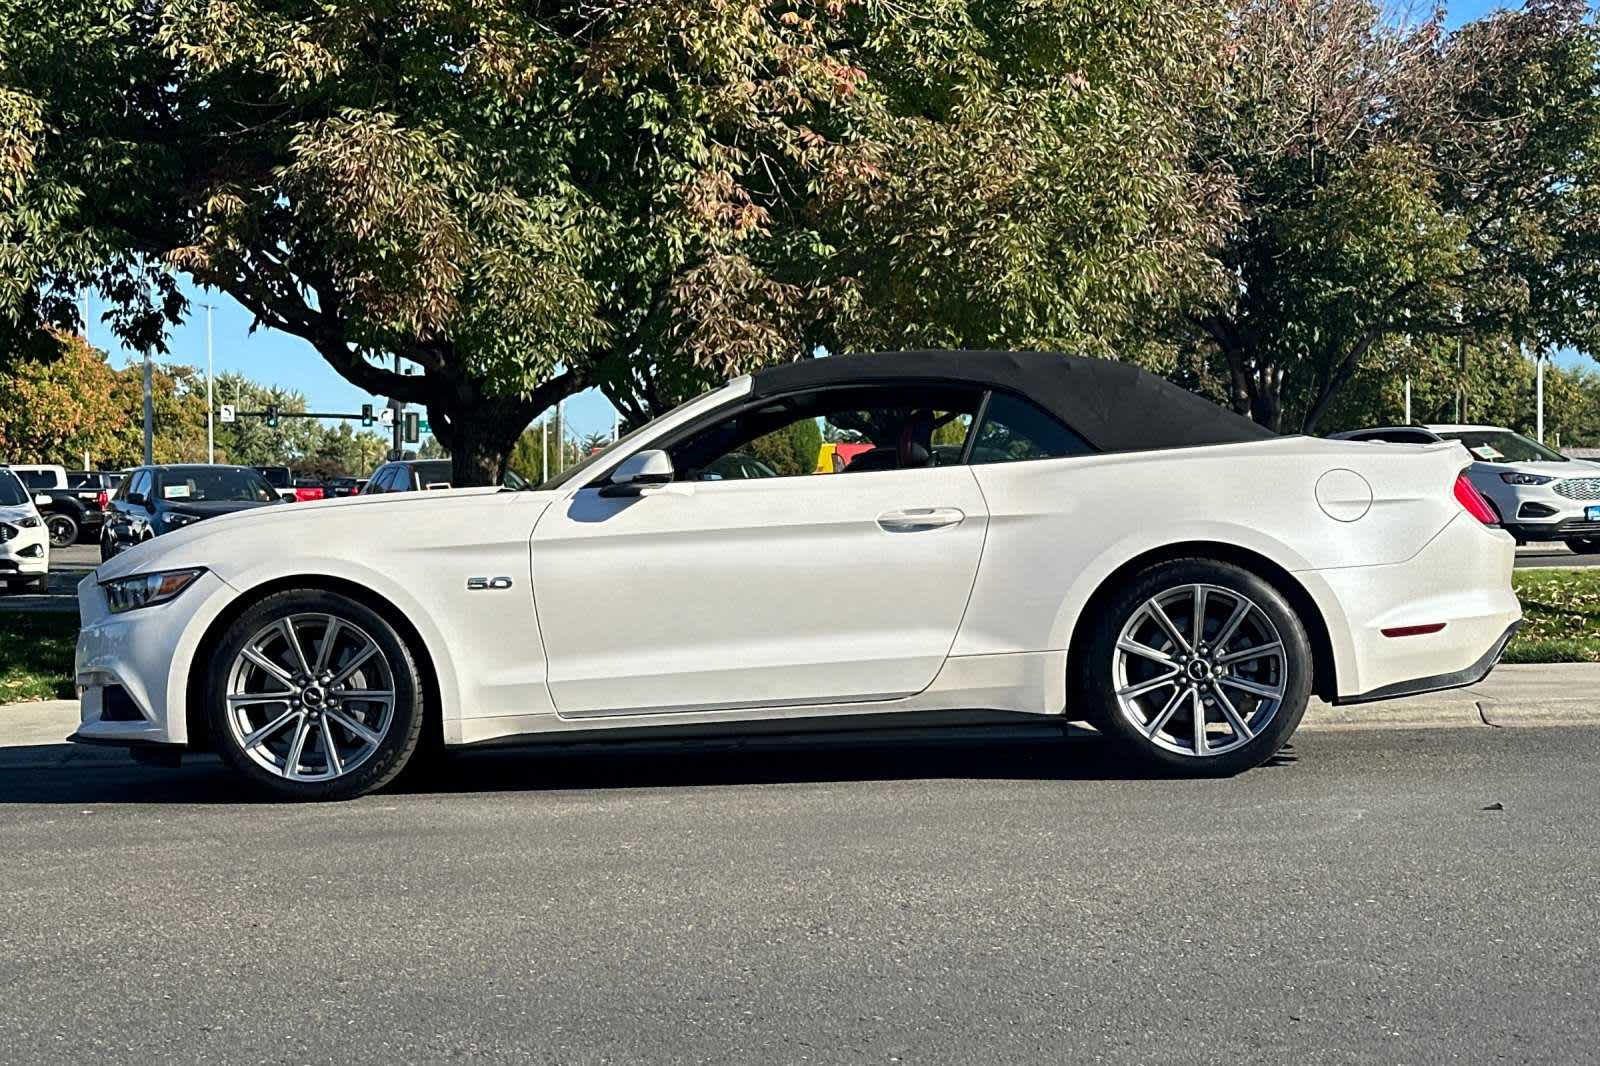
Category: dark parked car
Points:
column 344, row 486
column 158, row 499
column 411, row 475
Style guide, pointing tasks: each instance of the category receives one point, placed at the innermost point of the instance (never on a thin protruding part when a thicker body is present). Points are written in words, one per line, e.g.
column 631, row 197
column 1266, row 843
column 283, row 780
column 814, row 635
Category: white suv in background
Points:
column 1539, row 493
column 24, row 540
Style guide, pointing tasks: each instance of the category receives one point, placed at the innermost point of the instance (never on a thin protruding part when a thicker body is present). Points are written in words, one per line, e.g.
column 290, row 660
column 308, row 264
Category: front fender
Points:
column 316, row 569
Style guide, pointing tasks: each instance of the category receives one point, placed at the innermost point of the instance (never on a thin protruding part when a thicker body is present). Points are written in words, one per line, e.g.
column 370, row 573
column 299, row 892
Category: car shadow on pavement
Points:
column 49, row 775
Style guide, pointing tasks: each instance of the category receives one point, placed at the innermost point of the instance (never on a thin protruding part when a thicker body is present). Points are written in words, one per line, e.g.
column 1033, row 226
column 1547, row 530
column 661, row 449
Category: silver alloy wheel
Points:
column 310, row 697
column 1199, row 670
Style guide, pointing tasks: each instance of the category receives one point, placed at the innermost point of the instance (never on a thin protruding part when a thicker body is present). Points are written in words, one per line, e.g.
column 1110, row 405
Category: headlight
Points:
column 29, row 522
column 147, row 590
column 175, row 520
column 1526, row 479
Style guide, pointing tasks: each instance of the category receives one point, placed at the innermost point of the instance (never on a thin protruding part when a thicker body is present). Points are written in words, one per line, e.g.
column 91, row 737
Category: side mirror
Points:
column 288, row 496
column 639, row 471
column 41, row 500
column 137, row 499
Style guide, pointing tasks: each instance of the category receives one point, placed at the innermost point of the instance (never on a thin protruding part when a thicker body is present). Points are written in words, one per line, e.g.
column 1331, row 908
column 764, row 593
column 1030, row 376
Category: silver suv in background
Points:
column 1539, row 493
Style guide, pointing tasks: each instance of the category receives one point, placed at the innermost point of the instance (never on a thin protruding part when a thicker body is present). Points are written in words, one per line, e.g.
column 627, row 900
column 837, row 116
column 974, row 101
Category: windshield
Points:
column 1503, row 446
column 206, row 484
column 12, row 494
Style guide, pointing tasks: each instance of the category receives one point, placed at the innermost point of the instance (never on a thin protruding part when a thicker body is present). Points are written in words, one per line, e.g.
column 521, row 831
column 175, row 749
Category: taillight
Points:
column 1472, row 501
column 102, row 498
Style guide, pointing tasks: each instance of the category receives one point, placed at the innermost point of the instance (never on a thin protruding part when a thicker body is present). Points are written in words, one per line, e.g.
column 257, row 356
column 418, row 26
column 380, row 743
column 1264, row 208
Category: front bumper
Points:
column 26, row 553
column 132, row 668
column 1538, row 512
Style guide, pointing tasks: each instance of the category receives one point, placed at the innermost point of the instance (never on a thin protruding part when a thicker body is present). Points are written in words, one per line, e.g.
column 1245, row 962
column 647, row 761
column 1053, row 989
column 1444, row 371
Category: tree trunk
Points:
column 480, row 435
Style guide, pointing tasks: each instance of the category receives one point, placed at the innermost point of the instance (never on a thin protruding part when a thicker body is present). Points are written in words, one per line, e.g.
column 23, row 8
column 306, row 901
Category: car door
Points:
column 769, row 591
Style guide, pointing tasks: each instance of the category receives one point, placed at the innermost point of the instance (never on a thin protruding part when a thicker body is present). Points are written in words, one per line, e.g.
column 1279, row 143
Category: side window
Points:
column 852, row 429
column 1015, row 430
column 141, row 484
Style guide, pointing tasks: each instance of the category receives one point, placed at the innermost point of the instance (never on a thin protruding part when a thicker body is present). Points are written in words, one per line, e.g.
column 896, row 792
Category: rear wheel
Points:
column 1199, row 666
column 63, row 529
column 315, row 696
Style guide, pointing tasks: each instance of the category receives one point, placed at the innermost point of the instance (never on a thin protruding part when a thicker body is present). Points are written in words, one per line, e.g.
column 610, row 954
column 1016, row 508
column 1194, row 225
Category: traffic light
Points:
column 272, row 415
column 366, row 414
column 413, row 429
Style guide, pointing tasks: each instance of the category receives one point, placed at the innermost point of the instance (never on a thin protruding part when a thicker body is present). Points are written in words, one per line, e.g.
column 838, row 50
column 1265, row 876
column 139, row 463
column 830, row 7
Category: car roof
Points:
column 1467, row 428
column 1115, row 406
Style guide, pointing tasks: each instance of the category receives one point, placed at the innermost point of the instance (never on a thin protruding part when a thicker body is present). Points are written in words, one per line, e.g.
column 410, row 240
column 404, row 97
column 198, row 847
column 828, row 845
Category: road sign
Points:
column 226, row 413
column 423, row 427
column 386, row 416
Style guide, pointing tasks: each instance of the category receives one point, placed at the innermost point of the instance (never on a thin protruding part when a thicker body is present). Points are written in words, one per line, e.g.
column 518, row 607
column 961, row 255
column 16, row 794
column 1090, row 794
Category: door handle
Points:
column 914, row 519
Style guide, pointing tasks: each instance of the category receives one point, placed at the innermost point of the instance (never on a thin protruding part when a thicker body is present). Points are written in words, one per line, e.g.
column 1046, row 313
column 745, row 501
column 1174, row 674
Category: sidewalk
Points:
column 1549, row 694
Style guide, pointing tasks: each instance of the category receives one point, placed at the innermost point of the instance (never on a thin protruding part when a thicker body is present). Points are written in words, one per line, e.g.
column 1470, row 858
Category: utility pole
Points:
column 399, row 418
column 149, row 414
column 544, row 448
column 561, row 435
column 1538, row 392
column 86, row 317
column 1408, row 399
column 211, row 430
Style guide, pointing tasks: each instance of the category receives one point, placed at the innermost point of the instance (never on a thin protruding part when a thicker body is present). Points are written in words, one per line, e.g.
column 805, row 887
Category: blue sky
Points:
column 280, row 359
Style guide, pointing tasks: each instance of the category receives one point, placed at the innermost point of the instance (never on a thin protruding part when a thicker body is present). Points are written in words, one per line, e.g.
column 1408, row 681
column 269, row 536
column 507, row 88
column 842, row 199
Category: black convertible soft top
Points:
column 1114, row 406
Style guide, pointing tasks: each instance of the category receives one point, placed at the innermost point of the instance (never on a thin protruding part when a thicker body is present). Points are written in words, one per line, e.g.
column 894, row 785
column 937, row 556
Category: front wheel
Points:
column 63, row 529
column 315, row 696
column 1197, row 665
column 1584, row 545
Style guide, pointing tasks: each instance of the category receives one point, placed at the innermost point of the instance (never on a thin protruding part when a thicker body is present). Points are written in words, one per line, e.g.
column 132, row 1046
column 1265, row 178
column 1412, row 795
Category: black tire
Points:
column 1099, row 670
column 63, row 529
column 1584, row 545
column 399, row 741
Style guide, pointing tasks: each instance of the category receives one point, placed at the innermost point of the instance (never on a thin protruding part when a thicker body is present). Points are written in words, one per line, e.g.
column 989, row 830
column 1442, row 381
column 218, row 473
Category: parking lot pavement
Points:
column 1370, row 897
column 1530, row 556
column 67, row 568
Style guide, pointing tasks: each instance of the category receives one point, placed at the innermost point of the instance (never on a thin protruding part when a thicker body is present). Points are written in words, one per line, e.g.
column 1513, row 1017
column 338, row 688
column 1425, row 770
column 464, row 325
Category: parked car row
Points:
column 1537, row 493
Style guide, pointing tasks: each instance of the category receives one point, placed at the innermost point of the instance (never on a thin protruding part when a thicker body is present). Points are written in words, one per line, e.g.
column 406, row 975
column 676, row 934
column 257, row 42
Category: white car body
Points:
column 558, row 612
column 24, row 540
column 1555, row 499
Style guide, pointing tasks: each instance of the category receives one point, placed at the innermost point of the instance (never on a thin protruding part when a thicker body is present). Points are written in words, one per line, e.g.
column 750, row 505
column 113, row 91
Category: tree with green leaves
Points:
column 61, row 406
column 1396, row 181
column 524, row 202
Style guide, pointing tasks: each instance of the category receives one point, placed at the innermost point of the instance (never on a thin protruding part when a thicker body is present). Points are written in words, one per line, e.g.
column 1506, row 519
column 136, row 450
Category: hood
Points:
column 291, row 528
column 17, row 512
column 1572, row 468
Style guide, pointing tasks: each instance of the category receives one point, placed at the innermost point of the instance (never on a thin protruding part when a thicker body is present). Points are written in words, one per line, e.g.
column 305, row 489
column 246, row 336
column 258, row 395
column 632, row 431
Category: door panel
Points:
column 764, row 592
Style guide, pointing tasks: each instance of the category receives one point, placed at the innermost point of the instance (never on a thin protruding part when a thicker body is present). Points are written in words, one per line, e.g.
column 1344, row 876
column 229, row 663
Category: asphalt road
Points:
column 1375, row 896
column 1542, row 554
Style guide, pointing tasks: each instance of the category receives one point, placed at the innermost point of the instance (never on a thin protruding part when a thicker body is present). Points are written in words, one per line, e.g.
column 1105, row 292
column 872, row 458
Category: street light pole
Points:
column 211, row 430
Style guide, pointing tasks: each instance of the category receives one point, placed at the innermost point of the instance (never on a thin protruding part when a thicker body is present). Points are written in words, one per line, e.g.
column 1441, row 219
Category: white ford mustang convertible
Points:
column 1013, row 536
